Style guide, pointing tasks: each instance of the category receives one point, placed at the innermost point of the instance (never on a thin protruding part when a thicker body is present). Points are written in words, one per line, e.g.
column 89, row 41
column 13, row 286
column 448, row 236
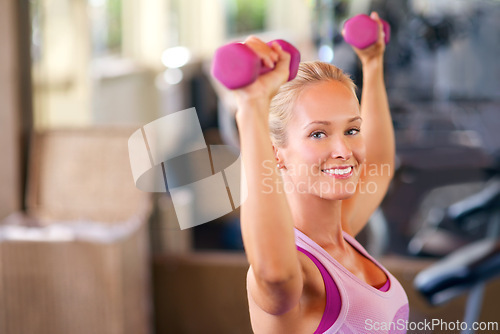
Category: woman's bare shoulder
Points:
column 304, row 317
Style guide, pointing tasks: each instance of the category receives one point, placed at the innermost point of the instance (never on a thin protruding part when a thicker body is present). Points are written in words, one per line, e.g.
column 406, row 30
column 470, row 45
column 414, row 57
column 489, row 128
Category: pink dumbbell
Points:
column 235, row 65
column 361, row 31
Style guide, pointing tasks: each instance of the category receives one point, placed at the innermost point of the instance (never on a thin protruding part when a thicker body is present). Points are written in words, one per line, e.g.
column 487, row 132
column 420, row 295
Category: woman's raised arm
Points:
column 275, row 277
column 378, row 133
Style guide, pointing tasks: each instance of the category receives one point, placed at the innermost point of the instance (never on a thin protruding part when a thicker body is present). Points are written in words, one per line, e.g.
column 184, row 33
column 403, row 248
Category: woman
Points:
column 312, row 186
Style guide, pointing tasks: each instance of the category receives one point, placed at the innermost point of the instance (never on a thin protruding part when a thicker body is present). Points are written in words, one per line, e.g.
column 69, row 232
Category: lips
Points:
column 339, row 172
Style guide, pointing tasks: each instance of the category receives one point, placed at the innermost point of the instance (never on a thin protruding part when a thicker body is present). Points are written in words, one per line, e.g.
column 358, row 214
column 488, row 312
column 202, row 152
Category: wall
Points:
column 10, row 180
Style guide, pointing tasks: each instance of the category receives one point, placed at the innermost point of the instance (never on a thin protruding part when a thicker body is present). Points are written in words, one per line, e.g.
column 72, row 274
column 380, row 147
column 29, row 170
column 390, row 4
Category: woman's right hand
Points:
column 259, row 93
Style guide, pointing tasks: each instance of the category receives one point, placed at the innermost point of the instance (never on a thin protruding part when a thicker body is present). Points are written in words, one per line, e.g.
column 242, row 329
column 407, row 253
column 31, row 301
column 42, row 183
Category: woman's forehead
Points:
column 328, row 100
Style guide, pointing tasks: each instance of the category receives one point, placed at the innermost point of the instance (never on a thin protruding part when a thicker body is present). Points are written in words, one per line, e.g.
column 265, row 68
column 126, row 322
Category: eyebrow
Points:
column 328, row 122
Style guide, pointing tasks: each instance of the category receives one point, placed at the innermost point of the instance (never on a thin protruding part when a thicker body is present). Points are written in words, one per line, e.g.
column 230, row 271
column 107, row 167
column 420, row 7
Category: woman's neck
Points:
column 318, row 218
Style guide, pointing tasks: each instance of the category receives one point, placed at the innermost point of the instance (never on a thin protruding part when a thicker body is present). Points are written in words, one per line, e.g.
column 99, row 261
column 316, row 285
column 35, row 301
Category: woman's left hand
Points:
column 374, row 53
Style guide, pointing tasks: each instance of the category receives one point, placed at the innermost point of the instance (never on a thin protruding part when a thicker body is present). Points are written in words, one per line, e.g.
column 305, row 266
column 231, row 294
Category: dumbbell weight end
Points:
column 361, row 31
column 235, row 65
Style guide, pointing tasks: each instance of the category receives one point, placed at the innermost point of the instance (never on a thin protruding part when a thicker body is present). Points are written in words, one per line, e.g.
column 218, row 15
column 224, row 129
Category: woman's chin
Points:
column 337, row 196
column 339, row 192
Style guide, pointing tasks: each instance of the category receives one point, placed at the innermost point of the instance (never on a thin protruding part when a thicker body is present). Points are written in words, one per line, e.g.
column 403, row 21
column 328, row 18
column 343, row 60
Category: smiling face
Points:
column 324, row 148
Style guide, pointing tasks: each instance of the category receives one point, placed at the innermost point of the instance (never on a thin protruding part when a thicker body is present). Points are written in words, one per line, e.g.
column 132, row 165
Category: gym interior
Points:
column 85, row 247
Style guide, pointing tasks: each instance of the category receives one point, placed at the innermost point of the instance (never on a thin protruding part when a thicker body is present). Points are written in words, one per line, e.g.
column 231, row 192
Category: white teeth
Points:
column 336, row 171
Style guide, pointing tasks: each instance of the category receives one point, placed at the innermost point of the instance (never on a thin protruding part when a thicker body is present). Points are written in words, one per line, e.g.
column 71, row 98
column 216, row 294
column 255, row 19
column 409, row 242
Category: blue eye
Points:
column 352, row 132
column 317, row 135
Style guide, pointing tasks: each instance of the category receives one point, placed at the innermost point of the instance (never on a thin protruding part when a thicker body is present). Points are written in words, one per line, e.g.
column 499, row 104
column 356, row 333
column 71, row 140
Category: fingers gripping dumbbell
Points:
column 236, row 65
column 361, row 31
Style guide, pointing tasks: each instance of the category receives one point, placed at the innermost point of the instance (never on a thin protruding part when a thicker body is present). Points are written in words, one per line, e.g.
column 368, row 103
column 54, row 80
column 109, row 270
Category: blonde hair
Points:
column 282, row 103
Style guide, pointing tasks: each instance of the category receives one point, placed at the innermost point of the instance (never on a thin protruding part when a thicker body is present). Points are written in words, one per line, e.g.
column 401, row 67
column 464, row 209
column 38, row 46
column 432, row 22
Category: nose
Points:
column 341, row 149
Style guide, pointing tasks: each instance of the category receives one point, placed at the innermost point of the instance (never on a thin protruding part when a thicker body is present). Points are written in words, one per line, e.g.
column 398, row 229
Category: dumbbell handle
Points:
column 236, row 65
column 361, row 31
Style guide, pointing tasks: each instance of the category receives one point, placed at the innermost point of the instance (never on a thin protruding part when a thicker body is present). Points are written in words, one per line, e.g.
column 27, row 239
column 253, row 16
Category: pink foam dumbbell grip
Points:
column 235, row 65
column 361, row 31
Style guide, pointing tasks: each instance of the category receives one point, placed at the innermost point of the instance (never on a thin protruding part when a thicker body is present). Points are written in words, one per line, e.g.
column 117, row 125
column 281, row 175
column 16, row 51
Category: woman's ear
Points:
column 279, row 158
column 276, row 154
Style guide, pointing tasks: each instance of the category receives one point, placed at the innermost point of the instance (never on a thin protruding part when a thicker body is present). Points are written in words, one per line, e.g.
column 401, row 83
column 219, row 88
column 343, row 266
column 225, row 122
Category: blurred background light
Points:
column 97, row 3
column 173, row 76
column 176, row 57
column 325, row 53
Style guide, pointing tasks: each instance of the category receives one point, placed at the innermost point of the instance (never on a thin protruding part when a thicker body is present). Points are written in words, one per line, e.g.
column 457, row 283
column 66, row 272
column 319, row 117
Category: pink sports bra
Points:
column 333, row 301
column 351, row 302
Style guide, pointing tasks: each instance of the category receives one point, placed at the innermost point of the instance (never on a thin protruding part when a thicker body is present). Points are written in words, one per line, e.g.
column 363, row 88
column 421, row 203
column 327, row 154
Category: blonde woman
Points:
column 317, row 165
